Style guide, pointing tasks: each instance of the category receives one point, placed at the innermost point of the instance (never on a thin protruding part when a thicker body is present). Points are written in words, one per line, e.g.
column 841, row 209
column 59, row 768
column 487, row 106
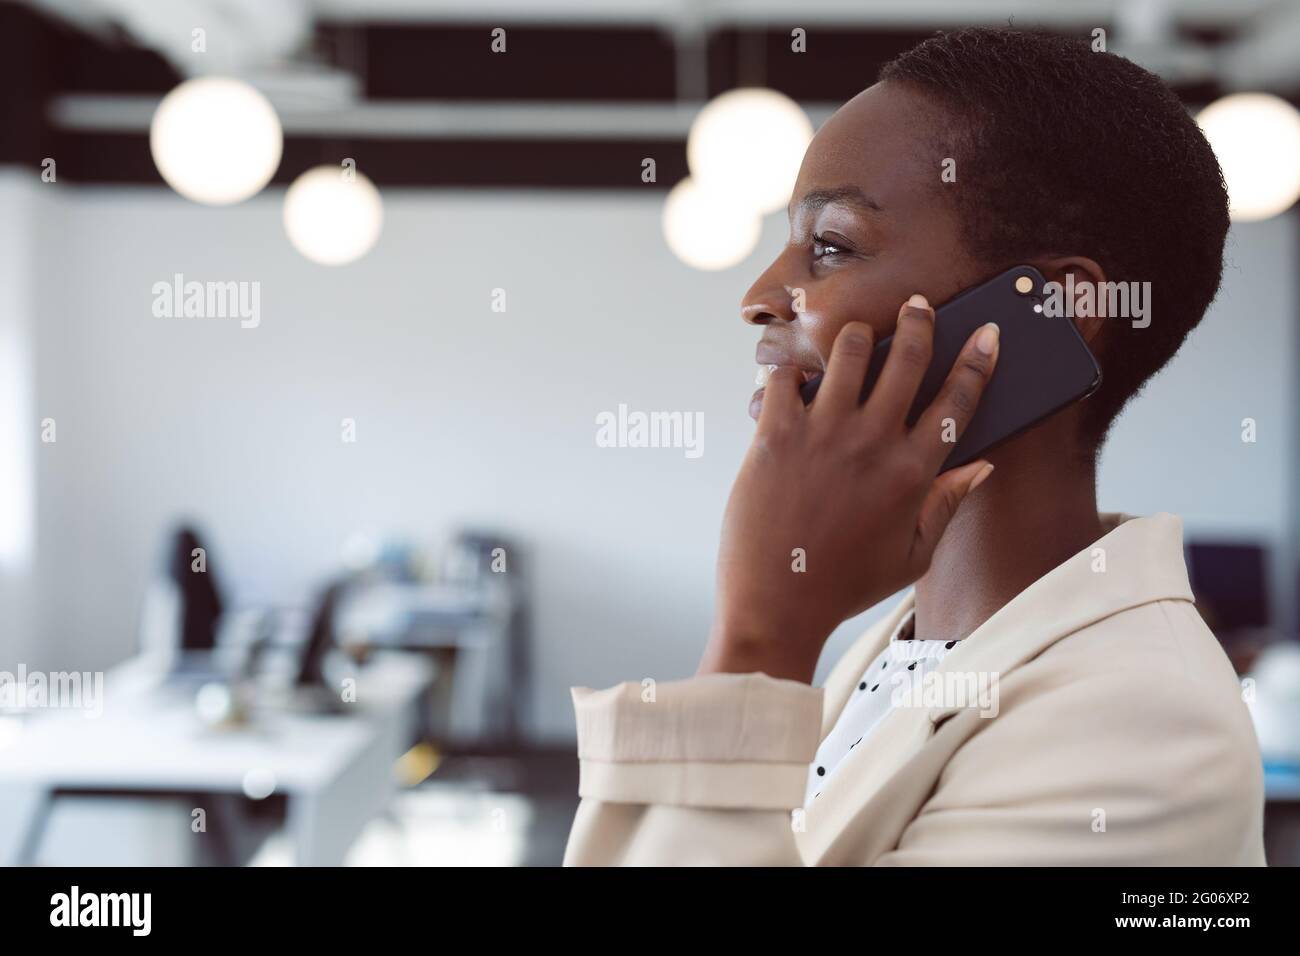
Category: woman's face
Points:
column 870, row 224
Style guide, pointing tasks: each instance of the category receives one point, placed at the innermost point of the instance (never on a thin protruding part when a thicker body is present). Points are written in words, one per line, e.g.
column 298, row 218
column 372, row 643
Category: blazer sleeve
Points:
column 1114, row 769
column 702, row 771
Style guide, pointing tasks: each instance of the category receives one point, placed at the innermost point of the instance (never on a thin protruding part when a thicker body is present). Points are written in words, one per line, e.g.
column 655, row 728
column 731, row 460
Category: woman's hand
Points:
column 837, row 505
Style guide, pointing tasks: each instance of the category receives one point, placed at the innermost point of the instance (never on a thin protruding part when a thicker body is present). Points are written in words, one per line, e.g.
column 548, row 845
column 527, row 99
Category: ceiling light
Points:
column 706, row 229
column 1256, row 137
column 333, row 214
column 748, row 143
column 216, row 140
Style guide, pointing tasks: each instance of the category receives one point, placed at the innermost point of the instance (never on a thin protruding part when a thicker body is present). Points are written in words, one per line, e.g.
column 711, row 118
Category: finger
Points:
column 781, row 402
column 847, row 368
column 941, row 502
column 942, row 424
column 909, row 357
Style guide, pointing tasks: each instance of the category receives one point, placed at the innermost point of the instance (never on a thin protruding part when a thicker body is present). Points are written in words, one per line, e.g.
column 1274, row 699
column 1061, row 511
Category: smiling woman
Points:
column 1119, row 735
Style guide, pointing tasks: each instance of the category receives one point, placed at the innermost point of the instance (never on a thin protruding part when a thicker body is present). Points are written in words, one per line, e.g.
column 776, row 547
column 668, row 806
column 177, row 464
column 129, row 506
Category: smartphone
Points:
column 1043, row 362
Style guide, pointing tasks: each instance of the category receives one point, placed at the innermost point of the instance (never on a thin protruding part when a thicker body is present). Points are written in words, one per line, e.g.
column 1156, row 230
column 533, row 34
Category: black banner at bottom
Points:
column 337, row 906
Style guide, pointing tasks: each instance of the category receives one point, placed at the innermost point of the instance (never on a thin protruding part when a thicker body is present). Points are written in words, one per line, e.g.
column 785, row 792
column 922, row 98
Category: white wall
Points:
column 469, row 415
column 463, row 414
column 21, row 197
column 1179, row 446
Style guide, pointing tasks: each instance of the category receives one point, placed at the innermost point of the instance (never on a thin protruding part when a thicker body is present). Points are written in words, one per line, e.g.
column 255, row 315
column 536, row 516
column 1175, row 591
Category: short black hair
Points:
column 1061, row 150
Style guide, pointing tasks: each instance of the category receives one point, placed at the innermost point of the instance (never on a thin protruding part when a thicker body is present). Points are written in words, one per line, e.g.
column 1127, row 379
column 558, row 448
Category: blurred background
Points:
column 309, row 313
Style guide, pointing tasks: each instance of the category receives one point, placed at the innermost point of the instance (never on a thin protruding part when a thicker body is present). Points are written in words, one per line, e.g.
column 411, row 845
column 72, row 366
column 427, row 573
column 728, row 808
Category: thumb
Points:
column 945, row 495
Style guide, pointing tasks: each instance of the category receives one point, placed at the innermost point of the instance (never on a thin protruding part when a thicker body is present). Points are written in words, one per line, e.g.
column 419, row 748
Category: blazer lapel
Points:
column 1139, row 561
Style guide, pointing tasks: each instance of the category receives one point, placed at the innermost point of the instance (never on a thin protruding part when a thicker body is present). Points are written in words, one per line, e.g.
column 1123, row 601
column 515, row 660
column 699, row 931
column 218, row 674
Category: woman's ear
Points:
column 1075, row 286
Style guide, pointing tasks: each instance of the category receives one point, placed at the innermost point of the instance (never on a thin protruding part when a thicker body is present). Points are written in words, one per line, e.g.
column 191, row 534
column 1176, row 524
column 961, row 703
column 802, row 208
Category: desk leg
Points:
column 32, row 818
column 310, row 844
column 324, row 822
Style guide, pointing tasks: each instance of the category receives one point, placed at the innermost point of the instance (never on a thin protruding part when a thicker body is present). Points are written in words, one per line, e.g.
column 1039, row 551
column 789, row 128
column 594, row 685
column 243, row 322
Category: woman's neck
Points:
column 1035, row 511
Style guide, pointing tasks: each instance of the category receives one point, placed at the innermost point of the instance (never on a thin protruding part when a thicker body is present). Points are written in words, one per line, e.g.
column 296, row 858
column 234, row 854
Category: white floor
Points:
column 435, row 827
column 445, row 825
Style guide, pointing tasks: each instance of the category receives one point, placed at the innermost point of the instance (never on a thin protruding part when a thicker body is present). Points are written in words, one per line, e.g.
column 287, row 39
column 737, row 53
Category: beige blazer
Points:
column 1110, row 729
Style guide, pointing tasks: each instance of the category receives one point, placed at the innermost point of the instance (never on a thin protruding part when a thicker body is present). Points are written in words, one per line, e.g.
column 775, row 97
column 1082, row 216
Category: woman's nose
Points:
column 764, row 305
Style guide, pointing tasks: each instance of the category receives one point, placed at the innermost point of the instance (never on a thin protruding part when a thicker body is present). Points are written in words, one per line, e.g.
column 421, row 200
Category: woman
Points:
column 1093, row 718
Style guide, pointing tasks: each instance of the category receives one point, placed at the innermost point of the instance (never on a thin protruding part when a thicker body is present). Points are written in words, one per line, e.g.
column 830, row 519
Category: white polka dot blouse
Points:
column 880, row 688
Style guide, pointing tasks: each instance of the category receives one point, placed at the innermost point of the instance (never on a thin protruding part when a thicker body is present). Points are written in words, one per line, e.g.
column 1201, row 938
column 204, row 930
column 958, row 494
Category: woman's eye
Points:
column 826, row 247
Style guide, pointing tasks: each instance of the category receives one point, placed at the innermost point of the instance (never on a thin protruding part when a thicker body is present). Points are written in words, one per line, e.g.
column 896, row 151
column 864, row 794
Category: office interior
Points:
column 339, row 550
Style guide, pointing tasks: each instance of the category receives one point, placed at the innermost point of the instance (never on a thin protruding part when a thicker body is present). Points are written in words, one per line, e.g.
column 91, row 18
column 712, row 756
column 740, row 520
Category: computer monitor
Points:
column 321, row 638
column 197, row 590
column 1230, row 580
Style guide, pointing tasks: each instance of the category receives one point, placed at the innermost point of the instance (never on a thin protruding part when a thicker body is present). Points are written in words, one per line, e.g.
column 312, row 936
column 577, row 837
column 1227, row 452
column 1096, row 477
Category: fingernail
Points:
column 918, row 301
column 984, row 473
column 987, row 338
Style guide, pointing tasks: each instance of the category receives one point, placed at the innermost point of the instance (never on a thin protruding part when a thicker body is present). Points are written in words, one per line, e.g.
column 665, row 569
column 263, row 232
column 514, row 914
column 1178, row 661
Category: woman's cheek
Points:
column 825, row 315
column 820, row 326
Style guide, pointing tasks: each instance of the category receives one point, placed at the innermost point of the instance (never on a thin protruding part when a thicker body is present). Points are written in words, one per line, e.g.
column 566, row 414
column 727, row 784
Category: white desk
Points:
column 474, row 622
column 335, row 771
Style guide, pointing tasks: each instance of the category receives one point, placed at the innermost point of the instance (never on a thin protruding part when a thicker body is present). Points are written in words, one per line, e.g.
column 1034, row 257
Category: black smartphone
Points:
column 1043, row 362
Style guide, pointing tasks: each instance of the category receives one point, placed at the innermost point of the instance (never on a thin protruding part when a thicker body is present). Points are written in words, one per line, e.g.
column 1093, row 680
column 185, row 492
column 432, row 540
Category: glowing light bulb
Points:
column 708, row 230
column 333, row 215
column 216, row 140
column 1256, row 138
column 748, row 144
